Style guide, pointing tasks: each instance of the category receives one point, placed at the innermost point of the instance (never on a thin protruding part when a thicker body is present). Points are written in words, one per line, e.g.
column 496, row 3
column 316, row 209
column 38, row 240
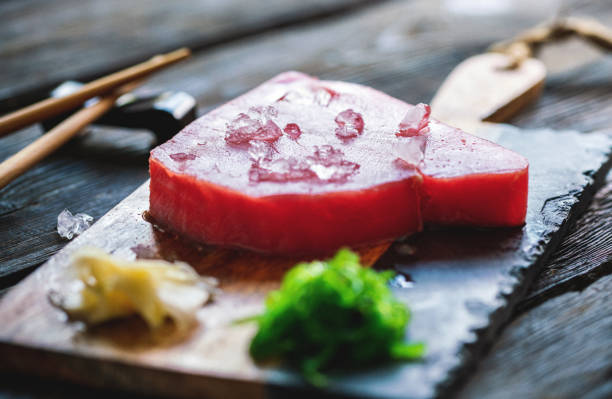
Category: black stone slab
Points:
column 462, row 284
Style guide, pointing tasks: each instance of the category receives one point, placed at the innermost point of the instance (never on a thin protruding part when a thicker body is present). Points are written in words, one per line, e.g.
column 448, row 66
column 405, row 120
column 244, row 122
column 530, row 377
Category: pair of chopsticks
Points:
column 109, row 87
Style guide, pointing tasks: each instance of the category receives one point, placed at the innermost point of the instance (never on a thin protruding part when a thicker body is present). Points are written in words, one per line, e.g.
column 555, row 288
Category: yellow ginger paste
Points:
column 108, row 287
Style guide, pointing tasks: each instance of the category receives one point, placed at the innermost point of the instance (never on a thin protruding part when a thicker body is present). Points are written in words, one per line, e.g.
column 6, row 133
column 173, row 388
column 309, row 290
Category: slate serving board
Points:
column 461, row 285
column 464, row 285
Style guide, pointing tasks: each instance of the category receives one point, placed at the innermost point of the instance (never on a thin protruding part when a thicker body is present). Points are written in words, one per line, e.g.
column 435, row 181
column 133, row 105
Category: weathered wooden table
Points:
column 560, row 341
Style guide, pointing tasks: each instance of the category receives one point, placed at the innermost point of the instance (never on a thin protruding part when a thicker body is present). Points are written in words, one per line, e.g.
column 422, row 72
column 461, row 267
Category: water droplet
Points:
column 400, row 281
column 182, row 156
column 293, row 131
column 350, row 124
column 405, row 249
column 328, row 155
column 329, row 164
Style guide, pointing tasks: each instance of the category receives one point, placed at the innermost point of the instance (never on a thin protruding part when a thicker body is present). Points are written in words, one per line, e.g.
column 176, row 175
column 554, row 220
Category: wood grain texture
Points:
column 473, row 81
column 583, row 256
column 161, row 359
column 44, row 43
column 469, row 287
column 544, row 356
column 406, row 57
column 121, row 82
column 48, row 143
column 92, row 184
column 19, row 386
column 373, row 47
column 389, row 55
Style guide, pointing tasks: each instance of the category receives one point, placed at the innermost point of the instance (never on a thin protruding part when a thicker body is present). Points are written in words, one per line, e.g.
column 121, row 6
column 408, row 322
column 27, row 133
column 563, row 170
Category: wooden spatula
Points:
column 495, row 86
column 484, row 88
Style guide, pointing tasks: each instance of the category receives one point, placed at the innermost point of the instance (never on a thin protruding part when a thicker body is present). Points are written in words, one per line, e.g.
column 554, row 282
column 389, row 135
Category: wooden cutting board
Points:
column 465, row 283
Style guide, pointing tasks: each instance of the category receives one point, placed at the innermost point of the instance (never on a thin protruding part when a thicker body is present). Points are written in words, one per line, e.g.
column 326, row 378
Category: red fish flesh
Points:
column 303, row 166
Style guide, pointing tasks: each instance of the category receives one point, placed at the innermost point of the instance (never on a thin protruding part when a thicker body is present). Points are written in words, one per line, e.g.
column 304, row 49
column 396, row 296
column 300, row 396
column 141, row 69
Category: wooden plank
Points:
column 583, row 256
column 543, row 354
column 372, row 47
column 245, row 278
column 17, row 386
column 490, row 265
column 525, row 359
column 44, row 42
column 404, row 57
column 399, row 76
column 67, row 180
column 514, row 90
column 579, row 264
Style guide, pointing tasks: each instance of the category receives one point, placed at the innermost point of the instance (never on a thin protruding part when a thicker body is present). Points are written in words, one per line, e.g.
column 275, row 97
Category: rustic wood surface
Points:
column 385, row 46
column 226, row 369
column 584, row 256
column 34, row 338
column 561, row 362
column 49, row 42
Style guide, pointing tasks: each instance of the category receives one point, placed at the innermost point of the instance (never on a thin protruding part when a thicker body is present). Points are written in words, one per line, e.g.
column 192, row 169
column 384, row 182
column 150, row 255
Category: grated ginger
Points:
column 108, row 287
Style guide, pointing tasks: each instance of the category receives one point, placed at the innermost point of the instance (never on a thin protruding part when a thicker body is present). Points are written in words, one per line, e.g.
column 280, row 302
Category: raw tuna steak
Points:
column 302, row 166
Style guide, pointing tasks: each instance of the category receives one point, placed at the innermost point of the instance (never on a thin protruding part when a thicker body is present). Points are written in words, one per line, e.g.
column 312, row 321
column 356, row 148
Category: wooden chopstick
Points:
column 53, row 106
column 17, row 164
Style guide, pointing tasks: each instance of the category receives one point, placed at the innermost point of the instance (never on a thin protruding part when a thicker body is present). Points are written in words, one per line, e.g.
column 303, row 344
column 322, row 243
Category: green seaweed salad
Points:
column 333, row 315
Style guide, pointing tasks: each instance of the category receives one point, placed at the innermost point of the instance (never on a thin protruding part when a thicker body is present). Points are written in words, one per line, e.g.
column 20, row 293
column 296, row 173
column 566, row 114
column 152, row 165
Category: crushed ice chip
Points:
column 327, row 165
column 69, row 225
column 410, row 152
column 323, row 96
column 330, row 165
column 260, row 150
column 415, row 121
column 254, row 127
column 280, row 170
column 309, row 95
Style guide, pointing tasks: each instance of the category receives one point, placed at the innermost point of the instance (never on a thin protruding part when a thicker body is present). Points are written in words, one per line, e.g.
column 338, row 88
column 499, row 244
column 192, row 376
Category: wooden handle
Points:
column 19, row 163
column 494, row 87
column 528, row 43
column 54, row 106
column 482, row 88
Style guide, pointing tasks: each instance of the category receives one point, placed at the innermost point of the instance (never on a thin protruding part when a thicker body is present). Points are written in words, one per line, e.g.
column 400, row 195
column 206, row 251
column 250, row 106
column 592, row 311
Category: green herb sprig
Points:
column 333, row 314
